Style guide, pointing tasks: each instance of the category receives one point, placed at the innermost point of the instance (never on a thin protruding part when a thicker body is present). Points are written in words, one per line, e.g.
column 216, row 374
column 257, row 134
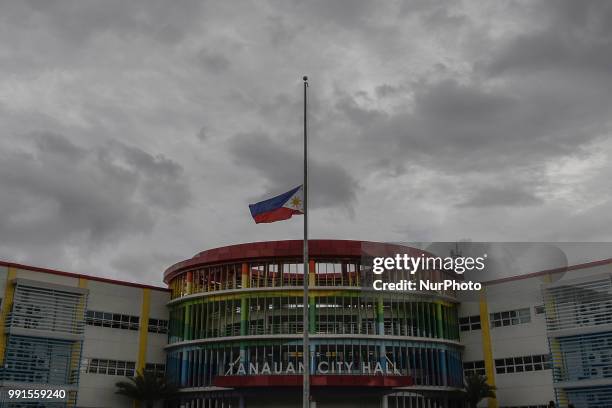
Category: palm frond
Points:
column 146, row 387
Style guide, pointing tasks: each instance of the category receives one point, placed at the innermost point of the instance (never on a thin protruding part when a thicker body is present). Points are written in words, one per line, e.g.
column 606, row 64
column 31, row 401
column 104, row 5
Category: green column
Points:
column 187, row 322
column 244, row 316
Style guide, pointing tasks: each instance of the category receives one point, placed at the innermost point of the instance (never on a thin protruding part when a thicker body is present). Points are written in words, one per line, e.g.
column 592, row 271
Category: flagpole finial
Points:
column 305, row 78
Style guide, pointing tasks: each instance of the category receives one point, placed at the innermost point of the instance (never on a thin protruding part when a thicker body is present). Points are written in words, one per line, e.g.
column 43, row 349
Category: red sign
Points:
column 377, row 381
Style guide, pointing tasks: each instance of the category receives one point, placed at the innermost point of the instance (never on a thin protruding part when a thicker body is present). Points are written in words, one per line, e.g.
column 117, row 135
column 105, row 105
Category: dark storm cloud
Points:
column 55, row 144
column 432, row 119
column 77, row 21
column 501, row 196
column 60, row 191
column 162, row 179
column 331, row 185
column 202, row 134
column 362, row 118
column 139, row 264
column 457, row 127
column 214, row 61
column 385, row 90
column 350, row 14
column 572, row 37
column 281, row 33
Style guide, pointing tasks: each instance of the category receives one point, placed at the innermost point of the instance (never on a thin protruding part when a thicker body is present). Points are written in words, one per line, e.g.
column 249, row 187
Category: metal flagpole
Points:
column 306, row 346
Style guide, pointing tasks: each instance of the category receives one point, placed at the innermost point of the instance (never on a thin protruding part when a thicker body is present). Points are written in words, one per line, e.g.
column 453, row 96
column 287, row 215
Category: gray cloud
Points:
column 58, row 189
column 431, row 120
column 502, row 196
column 456, row 127
column 140, row 264
column 215, row 62
column 331, row 185
column 202, row 134
column 572, row 38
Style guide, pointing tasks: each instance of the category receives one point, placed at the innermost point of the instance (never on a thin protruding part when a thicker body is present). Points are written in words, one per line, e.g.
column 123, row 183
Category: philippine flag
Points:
column 281, row 207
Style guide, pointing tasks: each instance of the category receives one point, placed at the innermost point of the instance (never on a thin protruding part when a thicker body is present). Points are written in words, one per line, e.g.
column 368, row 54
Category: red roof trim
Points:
column 77, row 275
column 549, row 271
column 336, row 380
column 317, row 248
column 323, row 248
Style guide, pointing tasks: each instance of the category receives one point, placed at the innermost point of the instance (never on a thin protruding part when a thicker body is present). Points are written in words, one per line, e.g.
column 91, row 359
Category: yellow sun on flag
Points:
column 296, row 202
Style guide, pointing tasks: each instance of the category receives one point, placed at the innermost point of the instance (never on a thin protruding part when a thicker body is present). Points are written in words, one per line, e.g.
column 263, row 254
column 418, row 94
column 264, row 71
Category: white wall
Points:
column 513, row 389
column 98, row 390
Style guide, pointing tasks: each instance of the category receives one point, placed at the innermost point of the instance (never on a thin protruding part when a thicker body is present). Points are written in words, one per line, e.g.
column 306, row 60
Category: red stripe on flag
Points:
column 282, row 213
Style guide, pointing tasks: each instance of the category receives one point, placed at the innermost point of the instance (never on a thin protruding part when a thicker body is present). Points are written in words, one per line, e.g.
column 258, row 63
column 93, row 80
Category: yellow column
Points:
column 7, row 304
column 189, row 286
column 144, row 330
column 312, row 274
column 554, row 345
column 75, row 358
column 487, row 350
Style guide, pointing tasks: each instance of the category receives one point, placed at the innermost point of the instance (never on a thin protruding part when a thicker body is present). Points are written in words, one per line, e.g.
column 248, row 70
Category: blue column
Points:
column 313, row 359
column 443, row 367
column 184, row 362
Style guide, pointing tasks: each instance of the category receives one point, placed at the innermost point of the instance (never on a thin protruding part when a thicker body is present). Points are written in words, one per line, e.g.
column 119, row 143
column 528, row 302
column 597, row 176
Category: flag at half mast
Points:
column 281, row 207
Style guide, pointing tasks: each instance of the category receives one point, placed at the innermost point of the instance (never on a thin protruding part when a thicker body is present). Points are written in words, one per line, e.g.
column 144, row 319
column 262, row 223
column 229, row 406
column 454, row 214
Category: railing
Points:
column 583, row 357
column 579, row 305
column 281, row 275
column 47, row 310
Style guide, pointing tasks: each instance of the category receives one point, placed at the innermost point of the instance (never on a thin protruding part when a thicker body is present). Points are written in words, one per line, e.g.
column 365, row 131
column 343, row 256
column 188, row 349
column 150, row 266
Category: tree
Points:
column 146, row 388
column 476, row 388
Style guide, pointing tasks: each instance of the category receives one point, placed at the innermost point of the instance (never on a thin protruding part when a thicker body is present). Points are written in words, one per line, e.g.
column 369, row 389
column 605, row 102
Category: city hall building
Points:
column 236, row 329
column 227, row 330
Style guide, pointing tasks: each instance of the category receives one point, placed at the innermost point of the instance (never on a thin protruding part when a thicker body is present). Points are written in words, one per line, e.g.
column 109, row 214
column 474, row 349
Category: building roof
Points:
column 288, row 249
column 78, row 275
column 326, row 248
column 568, row 268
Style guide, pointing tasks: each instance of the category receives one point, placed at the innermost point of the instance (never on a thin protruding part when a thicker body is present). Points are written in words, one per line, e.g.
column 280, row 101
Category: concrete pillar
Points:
column 384, row 401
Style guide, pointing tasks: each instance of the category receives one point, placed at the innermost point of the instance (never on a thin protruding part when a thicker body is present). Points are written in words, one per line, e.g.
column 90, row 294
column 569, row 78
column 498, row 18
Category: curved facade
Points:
column 236, row 327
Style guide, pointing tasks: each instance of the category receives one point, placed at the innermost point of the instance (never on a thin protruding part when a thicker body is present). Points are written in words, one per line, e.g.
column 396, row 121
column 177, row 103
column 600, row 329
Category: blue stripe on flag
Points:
column 272, row 203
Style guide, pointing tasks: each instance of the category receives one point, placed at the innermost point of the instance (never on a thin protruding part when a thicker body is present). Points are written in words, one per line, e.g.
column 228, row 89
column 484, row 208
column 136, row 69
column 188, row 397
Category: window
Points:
column 522, row 364
column 539, row 309
column 113, row 320
column 109, row 367
column 158, row 326
column 473, row 367
column 158, row 369
column 510, row 318
column 469, row 323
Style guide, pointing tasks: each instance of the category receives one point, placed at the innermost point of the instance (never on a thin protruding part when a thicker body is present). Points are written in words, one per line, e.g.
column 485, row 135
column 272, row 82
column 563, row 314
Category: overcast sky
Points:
column 135, row 133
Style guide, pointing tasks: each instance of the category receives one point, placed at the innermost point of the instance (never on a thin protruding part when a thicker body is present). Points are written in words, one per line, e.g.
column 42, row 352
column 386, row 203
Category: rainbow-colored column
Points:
column 244, row 311
column 380, row 323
